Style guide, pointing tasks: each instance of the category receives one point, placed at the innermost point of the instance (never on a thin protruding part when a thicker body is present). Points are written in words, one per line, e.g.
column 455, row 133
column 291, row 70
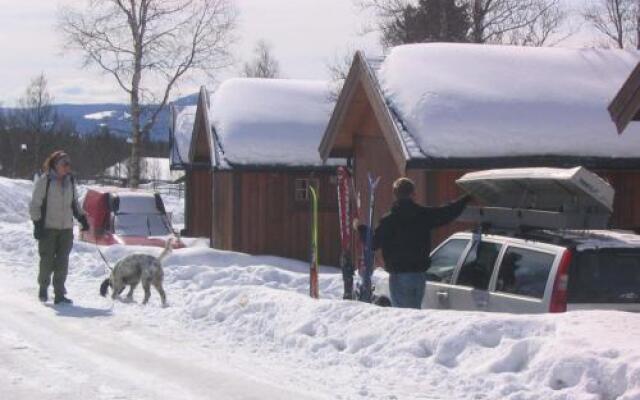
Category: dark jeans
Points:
column 54, row 248
column 407, row 289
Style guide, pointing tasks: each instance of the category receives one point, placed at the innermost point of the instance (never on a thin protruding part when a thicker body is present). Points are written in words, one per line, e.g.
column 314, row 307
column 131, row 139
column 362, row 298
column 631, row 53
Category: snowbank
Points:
column 151, row 169
column 461, row 100
column 254, row 314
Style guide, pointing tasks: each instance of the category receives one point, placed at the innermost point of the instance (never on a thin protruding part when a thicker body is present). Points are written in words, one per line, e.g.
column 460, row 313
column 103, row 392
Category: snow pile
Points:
column 185, row 118
column 271, row 121
column 252, row 315
column 460, row 100
column 101, row 115
column 151, row 169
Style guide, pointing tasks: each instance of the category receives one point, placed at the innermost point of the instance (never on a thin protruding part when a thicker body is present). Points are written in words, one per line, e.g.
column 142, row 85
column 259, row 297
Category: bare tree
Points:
column 549, row 29
column 36, row 115
column 338, row 68
column 618, row 20
column 263, row 65
column 530, row 22
column 147, row 46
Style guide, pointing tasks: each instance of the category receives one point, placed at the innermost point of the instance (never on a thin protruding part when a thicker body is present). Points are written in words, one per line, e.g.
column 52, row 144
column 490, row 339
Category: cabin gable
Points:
column 361, row 110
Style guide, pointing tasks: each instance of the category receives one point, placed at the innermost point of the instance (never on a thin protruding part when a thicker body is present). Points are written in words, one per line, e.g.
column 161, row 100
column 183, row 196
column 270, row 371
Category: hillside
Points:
column 88, row 118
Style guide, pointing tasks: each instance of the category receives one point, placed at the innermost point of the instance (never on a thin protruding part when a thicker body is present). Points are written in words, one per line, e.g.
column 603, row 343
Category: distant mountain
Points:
column 88, row 118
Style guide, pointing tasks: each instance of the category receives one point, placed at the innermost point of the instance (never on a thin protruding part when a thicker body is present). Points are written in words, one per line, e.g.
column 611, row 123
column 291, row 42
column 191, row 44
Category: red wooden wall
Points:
column 198, row 203
column 256, row 212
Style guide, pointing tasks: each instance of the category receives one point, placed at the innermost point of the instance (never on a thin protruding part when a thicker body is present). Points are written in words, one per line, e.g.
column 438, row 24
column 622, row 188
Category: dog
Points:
column 134, row 269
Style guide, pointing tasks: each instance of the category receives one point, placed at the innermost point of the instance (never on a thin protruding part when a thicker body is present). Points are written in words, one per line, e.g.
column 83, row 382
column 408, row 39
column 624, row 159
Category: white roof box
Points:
column 540, row 197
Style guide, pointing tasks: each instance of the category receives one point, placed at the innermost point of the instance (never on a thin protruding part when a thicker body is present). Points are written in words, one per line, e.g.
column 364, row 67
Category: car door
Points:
column 470, row 290
column 523, row 277
column 444, row 261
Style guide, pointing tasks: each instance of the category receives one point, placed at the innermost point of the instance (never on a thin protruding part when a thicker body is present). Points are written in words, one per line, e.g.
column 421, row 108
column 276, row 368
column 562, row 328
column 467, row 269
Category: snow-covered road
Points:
column 85, row 352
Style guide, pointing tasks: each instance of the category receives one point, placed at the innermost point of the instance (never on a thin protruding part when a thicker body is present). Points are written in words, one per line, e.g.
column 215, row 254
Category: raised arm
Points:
column 438, row 216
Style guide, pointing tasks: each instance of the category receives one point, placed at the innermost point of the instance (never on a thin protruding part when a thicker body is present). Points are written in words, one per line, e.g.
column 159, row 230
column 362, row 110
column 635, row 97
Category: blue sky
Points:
column 305, row 35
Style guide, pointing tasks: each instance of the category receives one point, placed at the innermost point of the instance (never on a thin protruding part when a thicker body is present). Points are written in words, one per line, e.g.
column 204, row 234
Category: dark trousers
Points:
column 54, row 248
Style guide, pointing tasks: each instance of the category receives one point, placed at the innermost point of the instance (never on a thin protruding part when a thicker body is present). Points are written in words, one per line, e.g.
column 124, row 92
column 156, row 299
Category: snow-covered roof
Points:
column 184, row 120
column 270, row 121
column 151, row 169
column 474, row 101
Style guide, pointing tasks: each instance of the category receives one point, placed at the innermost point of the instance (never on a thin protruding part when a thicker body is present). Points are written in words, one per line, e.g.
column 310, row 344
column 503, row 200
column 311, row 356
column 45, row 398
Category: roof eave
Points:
column 625, row 106
column 559, row 161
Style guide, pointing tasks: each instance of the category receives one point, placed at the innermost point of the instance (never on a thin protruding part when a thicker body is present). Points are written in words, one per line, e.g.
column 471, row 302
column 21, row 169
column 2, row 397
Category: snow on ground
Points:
column 100, row 115
column 243, row 327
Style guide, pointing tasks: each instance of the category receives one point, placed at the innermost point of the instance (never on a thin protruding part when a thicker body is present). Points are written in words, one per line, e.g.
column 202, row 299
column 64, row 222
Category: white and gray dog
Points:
column 134, row 269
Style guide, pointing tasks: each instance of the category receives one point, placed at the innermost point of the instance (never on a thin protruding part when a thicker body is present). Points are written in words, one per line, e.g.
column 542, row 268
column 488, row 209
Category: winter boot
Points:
column 62, row 300
column 42, row 294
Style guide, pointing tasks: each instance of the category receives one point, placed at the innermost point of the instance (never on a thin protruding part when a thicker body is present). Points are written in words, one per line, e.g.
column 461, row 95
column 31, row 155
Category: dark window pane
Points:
column 478, row 266
column 444, row 261
column 605, row 276
column 524, row 272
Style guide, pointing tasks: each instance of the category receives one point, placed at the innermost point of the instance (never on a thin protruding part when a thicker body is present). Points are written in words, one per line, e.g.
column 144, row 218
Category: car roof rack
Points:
column 522, row 199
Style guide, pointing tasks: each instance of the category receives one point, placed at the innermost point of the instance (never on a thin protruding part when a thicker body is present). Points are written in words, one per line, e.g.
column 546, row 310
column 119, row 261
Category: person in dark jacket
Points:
column 404, row 235
column 53, row 205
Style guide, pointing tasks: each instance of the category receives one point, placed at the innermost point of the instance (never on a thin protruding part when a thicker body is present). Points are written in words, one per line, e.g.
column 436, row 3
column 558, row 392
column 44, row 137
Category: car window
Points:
column 524, row 272
column 478, row 265
column 605, row 276
column 141, row 225
column 445, row 259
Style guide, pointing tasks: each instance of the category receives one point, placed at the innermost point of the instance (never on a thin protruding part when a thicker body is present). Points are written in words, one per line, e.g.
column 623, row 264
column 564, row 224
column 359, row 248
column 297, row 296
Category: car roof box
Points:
column 560, row 198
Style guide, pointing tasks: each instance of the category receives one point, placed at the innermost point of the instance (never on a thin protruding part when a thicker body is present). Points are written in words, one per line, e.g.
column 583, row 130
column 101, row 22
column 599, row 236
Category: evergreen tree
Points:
column 428, row 21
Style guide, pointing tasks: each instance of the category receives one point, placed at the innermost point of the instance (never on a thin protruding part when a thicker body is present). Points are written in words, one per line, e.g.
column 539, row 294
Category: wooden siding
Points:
column 255, row 212
column 222, row 229
column 373, row 156
column 626, row 204
column 198, row 203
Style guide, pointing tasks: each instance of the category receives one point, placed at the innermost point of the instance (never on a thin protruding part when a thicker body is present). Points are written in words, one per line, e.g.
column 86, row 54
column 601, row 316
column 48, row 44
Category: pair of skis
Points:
column 364, row 252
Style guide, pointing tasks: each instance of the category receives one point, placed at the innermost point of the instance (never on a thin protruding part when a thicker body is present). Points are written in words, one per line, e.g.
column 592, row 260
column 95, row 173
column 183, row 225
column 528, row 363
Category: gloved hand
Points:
column 38, row 230
column 85, row 224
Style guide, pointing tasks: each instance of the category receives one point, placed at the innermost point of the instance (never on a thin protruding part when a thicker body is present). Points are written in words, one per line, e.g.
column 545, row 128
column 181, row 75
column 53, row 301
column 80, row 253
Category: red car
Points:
column 124, row 216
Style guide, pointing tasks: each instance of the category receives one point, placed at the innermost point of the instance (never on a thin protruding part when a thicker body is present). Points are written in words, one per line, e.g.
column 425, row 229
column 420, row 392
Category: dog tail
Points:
column 104, row 287
column 167, row 250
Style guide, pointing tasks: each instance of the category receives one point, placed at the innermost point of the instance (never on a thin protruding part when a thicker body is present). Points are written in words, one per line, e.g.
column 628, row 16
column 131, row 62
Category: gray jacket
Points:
column 59, row 202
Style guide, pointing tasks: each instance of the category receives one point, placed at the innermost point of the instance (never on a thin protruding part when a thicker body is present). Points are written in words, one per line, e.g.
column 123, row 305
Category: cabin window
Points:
column 302, row 188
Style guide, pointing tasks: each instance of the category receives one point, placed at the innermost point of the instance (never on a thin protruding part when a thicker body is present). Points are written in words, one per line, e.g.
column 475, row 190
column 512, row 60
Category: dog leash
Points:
column 102, row 255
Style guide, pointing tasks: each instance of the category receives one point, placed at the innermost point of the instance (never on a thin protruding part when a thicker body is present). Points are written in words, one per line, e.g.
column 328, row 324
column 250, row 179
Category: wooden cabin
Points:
column 252, row 156
column 197, row 178
column 433, row 112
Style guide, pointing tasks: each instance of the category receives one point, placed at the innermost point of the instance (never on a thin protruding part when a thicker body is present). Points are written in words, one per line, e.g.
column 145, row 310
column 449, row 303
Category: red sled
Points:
column 118, row 216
